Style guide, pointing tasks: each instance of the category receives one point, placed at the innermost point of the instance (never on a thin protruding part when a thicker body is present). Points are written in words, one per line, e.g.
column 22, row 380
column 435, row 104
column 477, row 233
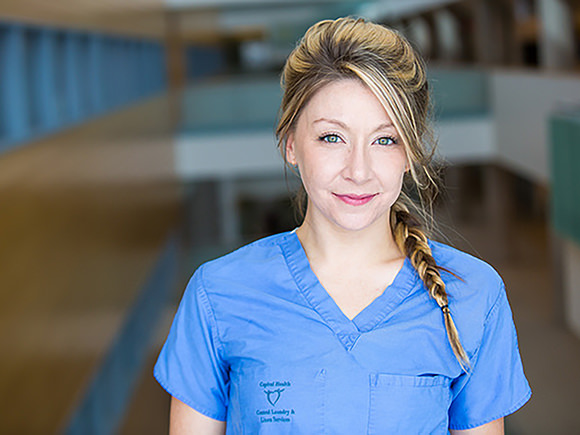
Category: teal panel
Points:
column 254, row 103
column 3, row 61
column 233, row 104
column 14, row 97
column 60, row 86
column 83, row 69
column 73, row 77
column 565, row 161
column 458, row 93
column 33, row 68
column 46, row 78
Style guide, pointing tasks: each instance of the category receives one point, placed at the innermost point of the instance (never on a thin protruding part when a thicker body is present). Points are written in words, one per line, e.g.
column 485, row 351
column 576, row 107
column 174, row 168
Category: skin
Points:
column 339, row 152
column 352, row 162
column 184, row 420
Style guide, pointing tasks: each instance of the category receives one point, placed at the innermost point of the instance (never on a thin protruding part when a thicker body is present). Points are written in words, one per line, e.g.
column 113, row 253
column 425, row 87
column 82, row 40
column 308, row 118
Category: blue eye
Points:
column 386, row 140
column 330, row 138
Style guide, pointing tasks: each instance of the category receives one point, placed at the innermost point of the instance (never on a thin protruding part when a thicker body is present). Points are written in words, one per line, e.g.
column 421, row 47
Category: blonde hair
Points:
column 383, row 60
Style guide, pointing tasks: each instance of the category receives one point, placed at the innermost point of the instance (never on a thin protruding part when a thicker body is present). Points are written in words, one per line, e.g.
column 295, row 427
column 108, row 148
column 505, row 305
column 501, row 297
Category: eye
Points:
column 330, row 138
column 386, row 140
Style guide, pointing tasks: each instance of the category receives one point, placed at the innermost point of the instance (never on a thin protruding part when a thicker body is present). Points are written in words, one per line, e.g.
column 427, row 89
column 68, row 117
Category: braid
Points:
column 413, row 242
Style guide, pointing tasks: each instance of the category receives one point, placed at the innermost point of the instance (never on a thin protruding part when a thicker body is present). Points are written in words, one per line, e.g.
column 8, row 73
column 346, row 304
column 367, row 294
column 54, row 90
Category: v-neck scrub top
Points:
column 259, row 343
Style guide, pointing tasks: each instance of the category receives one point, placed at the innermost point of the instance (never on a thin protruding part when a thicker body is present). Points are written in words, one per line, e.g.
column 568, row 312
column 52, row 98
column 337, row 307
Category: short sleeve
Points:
column 190, row 366
column 496, row 385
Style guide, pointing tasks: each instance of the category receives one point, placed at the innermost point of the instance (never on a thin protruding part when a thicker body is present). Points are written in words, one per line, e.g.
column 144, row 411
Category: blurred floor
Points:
column 550, row 353
column 83, row 215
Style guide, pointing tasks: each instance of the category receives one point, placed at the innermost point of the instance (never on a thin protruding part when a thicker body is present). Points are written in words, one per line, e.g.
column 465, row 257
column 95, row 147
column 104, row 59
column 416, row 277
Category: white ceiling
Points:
column 374, row 7
column 222, row 4
column 231, row 15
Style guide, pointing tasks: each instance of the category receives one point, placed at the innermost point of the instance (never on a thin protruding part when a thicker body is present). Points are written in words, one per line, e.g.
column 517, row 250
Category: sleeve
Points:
column 190, row 366
column 496, row 385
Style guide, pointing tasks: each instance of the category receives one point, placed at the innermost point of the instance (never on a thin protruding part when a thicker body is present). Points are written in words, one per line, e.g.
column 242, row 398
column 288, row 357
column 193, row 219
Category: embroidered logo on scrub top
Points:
column 273, row 396
column 273, row 391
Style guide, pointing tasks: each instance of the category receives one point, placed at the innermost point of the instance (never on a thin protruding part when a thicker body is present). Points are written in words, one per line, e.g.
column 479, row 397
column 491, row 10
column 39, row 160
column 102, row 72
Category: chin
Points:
column 348, row 220
column 355, row 224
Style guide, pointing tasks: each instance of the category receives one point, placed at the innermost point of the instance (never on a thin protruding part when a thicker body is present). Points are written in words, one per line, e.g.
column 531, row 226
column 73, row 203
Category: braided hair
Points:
column 384, row 61
column 412, row 241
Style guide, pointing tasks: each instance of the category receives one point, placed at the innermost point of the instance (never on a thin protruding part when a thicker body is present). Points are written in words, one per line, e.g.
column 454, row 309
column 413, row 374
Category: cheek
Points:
column 311, row 178
column 315, row 167
column 392, row 171
column 393, row 186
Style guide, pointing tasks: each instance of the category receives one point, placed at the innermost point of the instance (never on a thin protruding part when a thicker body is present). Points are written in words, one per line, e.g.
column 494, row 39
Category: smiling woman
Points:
column 355, row 322
column 351, row 166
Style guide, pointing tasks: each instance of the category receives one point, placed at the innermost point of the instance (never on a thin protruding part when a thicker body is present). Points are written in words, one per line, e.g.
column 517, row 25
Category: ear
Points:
column 290, row 149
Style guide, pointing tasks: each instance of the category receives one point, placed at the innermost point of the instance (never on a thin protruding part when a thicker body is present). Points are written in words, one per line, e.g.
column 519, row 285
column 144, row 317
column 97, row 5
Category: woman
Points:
column 354, row 322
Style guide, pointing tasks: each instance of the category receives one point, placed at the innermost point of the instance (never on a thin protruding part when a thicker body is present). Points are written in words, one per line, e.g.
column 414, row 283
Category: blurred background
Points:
column 136, row 141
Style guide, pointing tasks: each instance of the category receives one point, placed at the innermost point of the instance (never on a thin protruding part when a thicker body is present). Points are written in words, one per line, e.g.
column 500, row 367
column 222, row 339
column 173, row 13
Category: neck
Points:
column 332, row 244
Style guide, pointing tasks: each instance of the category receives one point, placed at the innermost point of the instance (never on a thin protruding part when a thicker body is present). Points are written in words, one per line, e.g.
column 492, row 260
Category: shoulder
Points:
column 467, row 276
column 248, row 256
column 250, row 264
column 474, row 289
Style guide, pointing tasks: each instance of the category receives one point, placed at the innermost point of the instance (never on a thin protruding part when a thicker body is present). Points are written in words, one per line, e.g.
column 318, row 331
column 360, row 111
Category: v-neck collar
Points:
column 346, row 329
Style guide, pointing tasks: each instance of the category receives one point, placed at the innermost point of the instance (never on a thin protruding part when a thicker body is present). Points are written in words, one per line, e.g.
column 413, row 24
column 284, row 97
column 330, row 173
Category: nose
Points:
column 357, row 167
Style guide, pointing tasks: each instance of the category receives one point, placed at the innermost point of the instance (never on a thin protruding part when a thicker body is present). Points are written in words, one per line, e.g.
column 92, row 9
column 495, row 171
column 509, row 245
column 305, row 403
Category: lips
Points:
column 356, row 200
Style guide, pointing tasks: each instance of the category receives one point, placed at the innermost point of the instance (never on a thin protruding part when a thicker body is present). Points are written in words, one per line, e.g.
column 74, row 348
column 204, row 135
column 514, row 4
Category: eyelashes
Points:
column 386, row 140
column 329, row 138
column 335, row 138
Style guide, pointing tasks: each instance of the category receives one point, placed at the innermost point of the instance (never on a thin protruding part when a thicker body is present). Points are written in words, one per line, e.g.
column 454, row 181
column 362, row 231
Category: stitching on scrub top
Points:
column 288, row 256
column 207, row 303
column 491, row 311
column 505, row 413
column 501, row 293
column 291, row 259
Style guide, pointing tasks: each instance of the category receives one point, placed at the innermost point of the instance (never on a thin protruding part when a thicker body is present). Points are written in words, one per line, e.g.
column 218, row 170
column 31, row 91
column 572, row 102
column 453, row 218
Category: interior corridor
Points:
column 550, row 352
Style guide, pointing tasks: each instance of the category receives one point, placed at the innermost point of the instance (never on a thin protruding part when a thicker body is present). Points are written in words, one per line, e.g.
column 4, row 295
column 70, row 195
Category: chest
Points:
column 293, row 373
column 352, row 290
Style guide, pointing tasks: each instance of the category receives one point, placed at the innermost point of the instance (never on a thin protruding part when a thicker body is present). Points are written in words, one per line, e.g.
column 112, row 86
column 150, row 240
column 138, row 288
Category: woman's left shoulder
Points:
column 468, row 279
column 475, row 291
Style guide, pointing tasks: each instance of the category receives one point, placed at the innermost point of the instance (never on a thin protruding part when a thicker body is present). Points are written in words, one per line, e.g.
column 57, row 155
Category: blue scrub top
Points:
column 259, row 343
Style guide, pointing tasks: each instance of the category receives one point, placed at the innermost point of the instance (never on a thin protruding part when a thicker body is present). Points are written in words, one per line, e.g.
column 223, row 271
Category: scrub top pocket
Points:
column 398, row 402
column 280, row 401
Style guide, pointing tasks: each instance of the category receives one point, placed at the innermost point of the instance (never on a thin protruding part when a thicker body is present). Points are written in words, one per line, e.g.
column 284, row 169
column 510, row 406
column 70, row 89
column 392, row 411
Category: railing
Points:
column 53, row 78
column 241, row 104
column 102, row 406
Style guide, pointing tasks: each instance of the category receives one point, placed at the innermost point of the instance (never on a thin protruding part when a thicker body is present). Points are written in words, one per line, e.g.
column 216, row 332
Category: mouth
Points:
column 356, row 200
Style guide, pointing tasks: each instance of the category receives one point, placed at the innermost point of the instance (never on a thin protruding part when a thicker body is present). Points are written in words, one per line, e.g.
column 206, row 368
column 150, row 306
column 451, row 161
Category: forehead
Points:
column 348, row 100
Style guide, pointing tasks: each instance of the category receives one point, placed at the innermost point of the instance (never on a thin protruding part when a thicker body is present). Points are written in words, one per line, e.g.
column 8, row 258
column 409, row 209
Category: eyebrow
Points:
column 343, row 125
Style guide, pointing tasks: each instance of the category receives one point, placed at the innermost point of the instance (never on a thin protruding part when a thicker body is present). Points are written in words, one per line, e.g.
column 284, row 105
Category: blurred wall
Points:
column 522, row 103
column 127, row 17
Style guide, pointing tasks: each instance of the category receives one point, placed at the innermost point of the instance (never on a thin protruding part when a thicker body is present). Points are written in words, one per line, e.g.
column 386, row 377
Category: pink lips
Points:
column 355, row 200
